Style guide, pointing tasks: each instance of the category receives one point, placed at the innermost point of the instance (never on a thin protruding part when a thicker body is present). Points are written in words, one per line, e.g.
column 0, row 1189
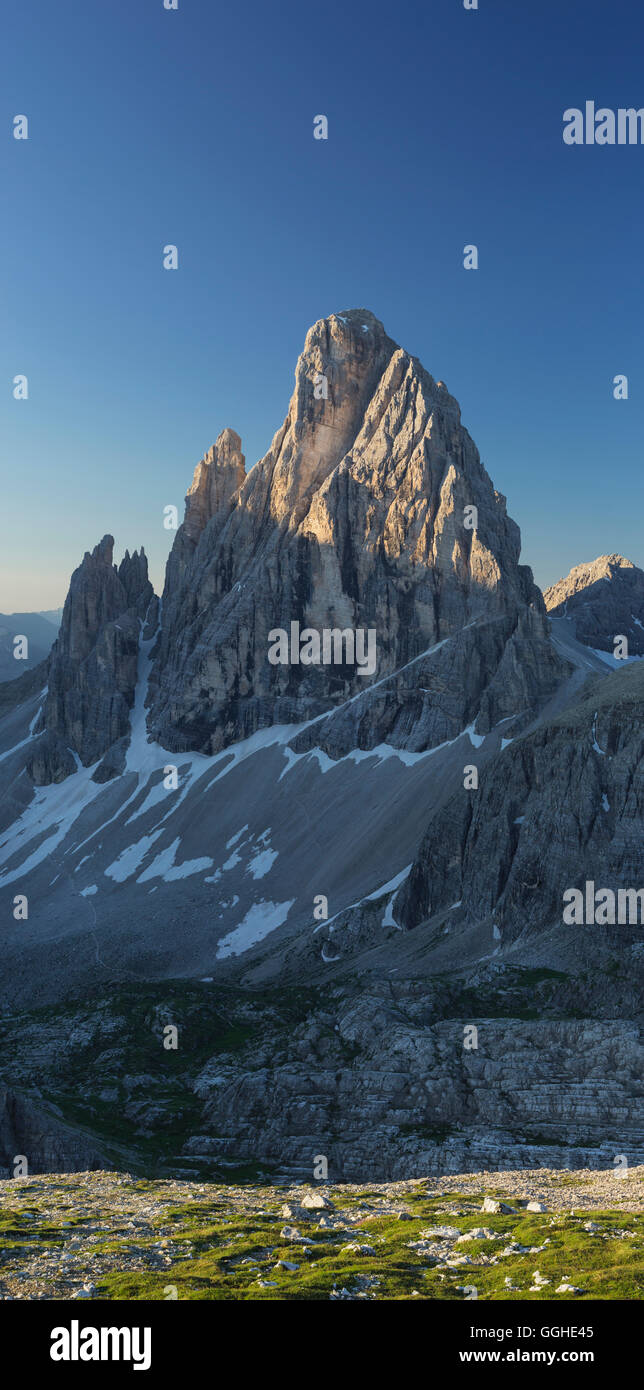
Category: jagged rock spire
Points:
column 356, row 516
column 93, row 664
column 216, row 478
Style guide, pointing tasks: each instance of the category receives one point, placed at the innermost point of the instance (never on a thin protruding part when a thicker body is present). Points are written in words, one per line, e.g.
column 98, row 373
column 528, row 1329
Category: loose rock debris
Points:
column 112, row 1235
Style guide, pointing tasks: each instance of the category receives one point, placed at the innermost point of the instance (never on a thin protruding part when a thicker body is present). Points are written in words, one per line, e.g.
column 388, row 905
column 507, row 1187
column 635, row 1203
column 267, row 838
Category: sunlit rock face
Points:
column 371, row 513
column 370, row 510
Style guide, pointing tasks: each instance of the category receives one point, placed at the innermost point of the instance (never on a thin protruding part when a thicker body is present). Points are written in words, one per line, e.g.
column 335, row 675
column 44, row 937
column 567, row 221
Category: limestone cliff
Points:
column 371, row 510
column 561, row 806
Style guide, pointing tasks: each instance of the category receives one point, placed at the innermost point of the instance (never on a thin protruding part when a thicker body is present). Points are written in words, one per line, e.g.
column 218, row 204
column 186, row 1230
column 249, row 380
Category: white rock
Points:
column 291, row 1233
column 316, row 1201
column 478, row 1233
column 441, row 1233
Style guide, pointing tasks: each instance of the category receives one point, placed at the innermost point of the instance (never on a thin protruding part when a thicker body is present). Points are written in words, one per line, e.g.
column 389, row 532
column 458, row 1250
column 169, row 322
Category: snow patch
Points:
column 234, row 838
column 163, row 866
column 595, row 743
column 54, row 808
column 131, row 858
column 262, row 864
column 261, row 919
column 24, row 741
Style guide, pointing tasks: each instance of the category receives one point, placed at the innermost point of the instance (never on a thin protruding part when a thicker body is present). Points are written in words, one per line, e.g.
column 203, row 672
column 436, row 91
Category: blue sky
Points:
column 196, row 127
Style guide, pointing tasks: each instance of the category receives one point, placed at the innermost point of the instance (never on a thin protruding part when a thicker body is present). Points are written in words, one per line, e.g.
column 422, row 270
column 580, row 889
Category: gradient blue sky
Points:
column 195, row 127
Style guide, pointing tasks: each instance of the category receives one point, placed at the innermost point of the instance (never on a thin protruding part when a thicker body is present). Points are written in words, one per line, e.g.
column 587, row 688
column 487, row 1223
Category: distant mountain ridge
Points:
column 606, row 599
column 39, row 629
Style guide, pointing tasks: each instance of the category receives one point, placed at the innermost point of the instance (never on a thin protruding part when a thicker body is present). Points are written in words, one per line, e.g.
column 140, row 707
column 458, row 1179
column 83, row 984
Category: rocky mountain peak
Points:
column 133, row 576
column 584, row 574
column 371, row 509
column 605, row 597
column 217, row 477
column 343, row 359
column 95, row 596
column 93, row 665
column 370, row 513
column 102, row 554
column 616, row 562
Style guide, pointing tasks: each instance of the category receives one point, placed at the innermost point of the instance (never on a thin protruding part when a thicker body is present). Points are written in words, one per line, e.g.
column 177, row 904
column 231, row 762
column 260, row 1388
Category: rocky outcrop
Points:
column 606, row 600
column 32, row 1132
column 370, row 511
column 492, row 672
column 560, row 807
column 93, row 667
column 384, row 1079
